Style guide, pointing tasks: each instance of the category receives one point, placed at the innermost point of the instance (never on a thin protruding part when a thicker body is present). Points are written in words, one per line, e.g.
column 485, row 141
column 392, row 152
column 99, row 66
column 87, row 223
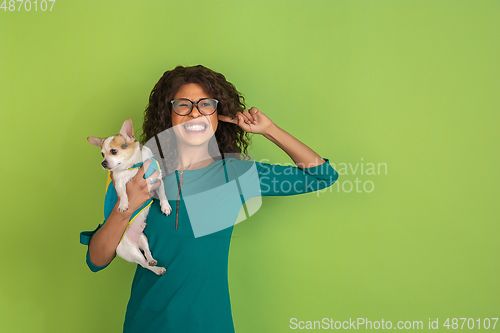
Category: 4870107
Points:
column 27, row 5
column 469, row 323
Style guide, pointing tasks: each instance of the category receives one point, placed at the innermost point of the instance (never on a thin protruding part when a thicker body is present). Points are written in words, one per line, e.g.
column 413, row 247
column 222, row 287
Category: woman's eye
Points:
column 113, row 151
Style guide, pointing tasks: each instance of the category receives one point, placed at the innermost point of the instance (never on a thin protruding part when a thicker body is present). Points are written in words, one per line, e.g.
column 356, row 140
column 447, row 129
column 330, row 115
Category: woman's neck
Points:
column 193, row 157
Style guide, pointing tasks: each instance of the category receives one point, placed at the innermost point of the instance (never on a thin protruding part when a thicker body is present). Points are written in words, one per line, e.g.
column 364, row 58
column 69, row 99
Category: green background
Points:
column 413, row 85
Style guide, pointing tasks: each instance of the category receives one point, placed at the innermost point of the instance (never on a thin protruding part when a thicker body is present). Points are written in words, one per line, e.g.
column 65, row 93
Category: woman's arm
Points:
column 102, row 246
column 302, row 155
column 254, row 121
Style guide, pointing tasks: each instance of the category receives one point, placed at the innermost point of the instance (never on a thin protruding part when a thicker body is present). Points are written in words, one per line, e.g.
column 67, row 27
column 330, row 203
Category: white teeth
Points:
column 194, row 128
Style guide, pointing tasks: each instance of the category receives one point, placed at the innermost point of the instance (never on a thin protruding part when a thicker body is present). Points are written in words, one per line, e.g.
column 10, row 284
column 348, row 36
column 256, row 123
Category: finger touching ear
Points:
column 227, row 119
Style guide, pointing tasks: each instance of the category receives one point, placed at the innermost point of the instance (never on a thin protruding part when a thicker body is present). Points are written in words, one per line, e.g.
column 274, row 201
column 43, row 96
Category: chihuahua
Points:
column 122, row 153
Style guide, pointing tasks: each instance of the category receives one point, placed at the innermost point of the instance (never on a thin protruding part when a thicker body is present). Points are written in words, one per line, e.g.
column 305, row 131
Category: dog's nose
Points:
column 104, row 164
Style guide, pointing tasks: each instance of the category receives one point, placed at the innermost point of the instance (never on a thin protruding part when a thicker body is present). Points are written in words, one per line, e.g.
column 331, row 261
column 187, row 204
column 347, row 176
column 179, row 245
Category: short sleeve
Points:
column 281, row 180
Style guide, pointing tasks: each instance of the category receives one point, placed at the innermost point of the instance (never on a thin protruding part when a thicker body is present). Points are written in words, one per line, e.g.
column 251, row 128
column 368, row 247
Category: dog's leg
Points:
column 149, row 262
column 135, row 255
column 134, row 241
column 155, row 269
column 121, row 191
column 165, row 206
column 144, row 246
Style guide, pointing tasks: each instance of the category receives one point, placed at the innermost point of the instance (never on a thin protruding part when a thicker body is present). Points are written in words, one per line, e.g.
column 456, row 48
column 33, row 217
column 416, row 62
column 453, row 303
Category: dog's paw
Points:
column 158, row 270
column 165, row 207
column 166, row 211
column 152, row 262
column 122, row 209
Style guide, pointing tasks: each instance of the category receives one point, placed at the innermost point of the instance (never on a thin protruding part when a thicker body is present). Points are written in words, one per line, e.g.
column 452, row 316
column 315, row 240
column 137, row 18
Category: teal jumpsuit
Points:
column 193, row 295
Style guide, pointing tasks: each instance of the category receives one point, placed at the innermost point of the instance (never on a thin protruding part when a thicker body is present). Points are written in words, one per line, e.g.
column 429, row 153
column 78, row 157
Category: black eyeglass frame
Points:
column 192, row 105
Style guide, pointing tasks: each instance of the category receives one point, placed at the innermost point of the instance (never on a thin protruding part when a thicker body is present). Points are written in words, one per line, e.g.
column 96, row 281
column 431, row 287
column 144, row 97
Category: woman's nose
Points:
column 195, row 113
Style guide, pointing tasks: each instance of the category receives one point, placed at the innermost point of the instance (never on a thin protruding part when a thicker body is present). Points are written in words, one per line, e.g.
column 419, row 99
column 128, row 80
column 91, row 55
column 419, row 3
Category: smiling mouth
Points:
column 195, row 128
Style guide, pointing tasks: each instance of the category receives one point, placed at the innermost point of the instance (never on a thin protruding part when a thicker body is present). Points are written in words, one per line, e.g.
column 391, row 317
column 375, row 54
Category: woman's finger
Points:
column 143, row 168
column 153, row 178
column 153, row 182
column 227, row 119
column 242, row 122
column 239, row 119
column 253, row 111
column 154, row 187
column 248, row 117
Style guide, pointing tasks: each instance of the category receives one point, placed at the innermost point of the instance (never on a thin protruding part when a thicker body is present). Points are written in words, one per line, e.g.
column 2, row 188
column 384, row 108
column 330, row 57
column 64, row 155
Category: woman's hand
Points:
column 251, row 121
column 139, row 189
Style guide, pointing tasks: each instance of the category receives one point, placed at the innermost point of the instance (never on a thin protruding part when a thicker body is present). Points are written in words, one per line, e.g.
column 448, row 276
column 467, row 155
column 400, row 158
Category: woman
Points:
column 193, row 103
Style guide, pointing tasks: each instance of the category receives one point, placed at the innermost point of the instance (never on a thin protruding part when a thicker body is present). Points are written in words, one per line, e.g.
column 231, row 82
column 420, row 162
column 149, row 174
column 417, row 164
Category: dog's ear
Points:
column 95, row 141
column 127, row 130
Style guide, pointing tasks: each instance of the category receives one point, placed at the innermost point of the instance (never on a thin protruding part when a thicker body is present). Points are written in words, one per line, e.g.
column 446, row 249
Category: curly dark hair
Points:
column 230, row 137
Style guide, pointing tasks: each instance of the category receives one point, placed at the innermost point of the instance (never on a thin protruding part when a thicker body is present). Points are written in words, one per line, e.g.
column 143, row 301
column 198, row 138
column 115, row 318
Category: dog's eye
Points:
column 113, row 151
column 102, row 154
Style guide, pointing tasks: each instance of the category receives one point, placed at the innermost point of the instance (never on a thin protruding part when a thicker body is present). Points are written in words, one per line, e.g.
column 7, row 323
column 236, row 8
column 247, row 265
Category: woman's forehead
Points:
column 192, row 91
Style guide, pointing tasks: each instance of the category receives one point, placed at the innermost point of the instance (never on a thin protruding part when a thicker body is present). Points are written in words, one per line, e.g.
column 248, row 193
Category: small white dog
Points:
column 121, row 155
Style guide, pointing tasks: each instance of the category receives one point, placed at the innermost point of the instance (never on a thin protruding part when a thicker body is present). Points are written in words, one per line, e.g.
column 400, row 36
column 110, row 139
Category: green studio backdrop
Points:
column 401, row 96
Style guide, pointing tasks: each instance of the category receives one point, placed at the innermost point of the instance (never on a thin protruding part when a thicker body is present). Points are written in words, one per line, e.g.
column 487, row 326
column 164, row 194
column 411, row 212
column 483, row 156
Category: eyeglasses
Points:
column 184, row 106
